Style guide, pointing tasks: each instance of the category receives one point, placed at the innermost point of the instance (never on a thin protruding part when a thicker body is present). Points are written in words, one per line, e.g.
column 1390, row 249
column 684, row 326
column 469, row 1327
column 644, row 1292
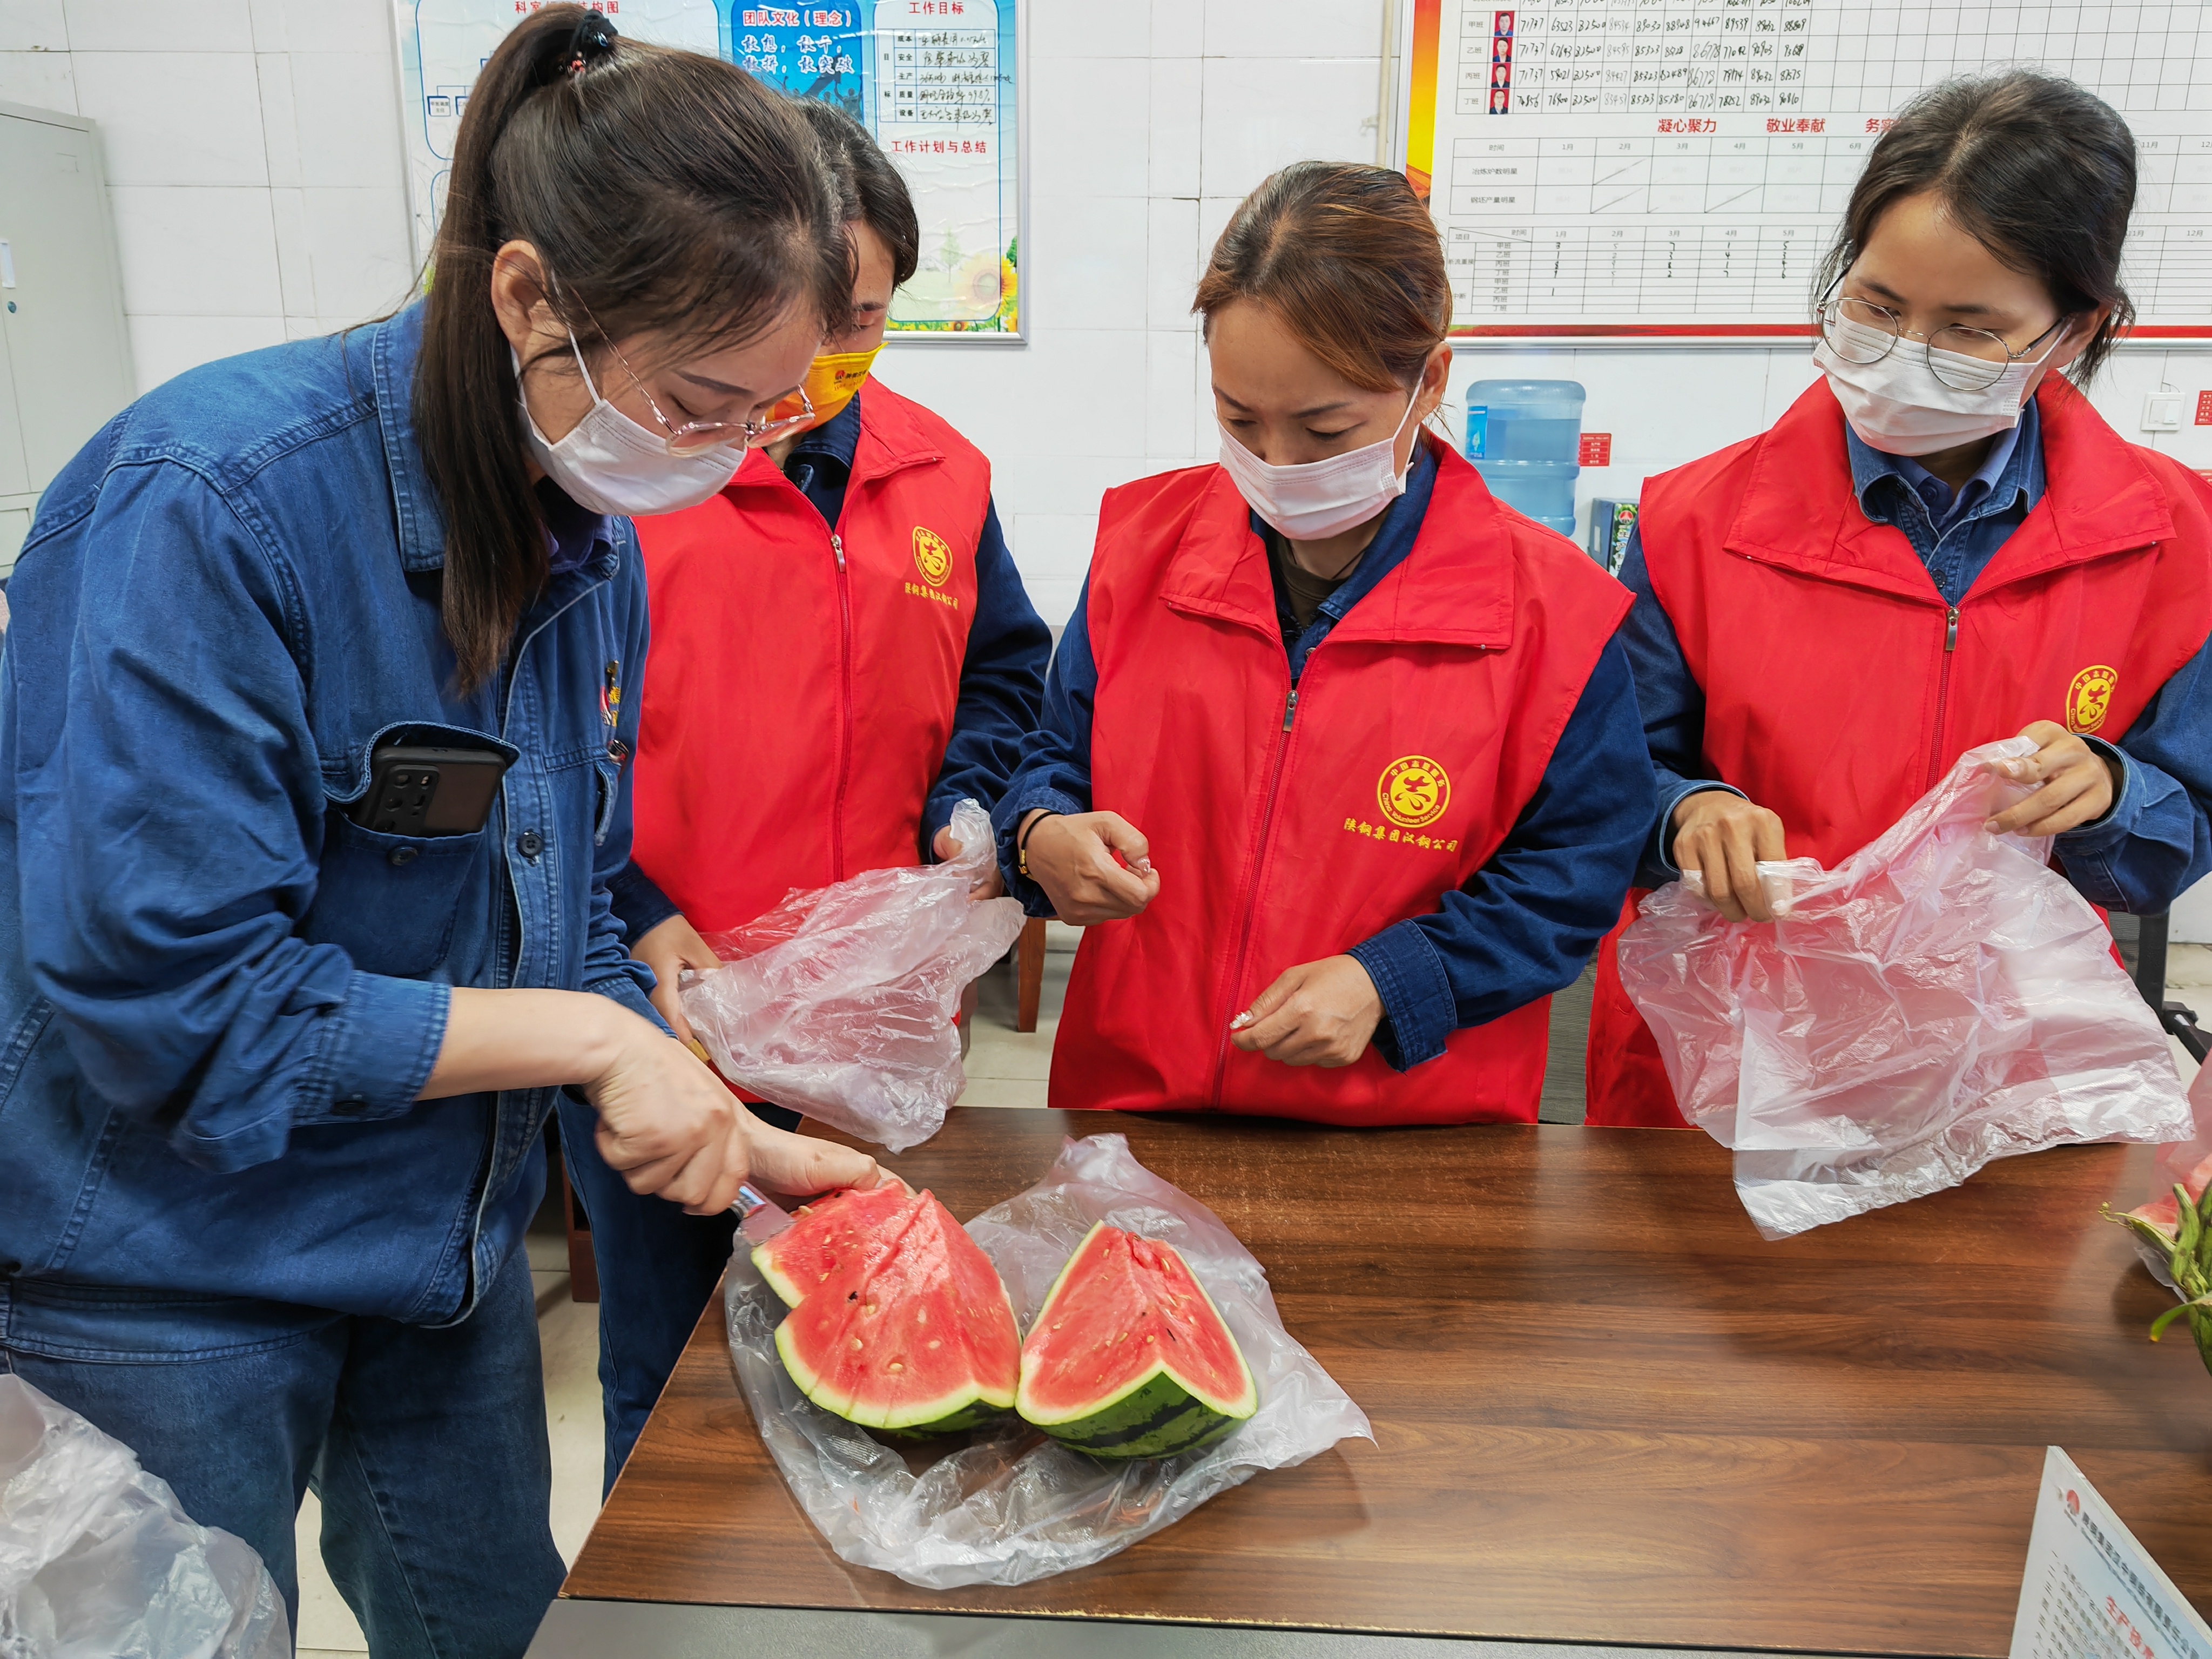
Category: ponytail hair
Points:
column 665, row 192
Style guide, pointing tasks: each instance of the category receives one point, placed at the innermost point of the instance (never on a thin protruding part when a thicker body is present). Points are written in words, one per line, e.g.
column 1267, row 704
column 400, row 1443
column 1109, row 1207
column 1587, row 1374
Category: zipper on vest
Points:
column 1252, row 895
column 1942, row 693
column 844, row 705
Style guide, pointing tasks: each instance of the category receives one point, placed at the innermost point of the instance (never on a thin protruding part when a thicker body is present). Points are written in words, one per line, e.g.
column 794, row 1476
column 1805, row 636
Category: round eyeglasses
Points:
column 691, row 437
column 1964, row 359
column 697, row 437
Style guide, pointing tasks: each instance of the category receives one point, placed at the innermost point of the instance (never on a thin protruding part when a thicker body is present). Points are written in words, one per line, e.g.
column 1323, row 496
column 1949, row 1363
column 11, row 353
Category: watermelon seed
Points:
column 934, row 1344
column 1149, row 1338
column 856, row 1341
column 895, row 1366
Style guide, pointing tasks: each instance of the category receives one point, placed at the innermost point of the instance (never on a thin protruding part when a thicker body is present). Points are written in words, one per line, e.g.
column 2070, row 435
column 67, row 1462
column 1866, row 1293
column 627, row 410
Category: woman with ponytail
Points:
column 323, row 677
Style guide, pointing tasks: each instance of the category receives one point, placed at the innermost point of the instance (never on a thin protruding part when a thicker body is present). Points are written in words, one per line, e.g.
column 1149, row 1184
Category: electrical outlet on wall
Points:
column 2162, row 412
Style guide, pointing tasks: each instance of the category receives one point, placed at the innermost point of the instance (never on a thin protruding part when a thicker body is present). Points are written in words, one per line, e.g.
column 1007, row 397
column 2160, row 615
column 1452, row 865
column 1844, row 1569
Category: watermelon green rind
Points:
column 951, row 1414
column 1156, row 1412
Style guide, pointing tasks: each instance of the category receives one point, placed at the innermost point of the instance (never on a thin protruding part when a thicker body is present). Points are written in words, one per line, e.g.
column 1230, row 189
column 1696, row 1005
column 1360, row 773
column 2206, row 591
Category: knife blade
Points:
column 760, row 1217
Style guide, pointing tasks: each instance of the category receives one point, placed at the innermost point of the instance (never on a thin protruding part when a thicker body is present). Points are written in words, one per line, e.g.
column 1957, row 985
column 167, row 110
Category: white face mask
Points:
column 1312, row 501
column 1900, row 408
column 610, row 464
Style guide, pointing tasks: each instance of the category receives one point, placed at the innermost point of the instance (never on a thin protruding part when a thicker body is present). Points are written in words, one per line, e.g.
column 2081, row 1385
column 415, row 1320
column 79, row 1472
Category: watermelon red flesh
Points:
column 828, row 1234
column 2160, row 1212
column 1129, row 1358
column 916, row 1339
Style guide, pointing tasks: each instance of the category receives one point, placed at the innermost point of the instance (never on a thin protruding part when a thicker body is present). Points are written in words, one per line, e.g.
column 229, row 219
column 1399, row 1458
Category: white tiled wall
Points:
column 253, row 161
column 254, row 152
column 1148, row 120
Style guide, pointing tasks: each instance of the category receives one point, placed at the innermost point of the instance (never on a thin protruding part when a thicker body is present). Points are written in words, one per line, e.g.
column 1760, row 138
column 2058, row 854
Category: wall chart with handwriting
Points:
column 934, row 81
column 1664, row 168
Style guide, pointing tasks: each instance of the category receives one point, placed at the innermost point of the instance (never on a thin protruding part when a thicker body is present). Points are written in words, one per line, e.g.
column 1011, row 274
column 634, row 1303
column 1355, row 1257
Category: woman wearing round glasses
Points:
column 847, row 601
column 287, row 1013
column 1940, row 544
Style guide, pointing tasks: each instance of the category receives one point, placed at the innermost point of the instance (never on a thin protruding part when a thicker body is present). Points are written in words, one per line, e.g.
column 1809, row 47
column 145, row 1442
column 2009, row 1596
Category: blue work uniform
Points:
column 230, row 1233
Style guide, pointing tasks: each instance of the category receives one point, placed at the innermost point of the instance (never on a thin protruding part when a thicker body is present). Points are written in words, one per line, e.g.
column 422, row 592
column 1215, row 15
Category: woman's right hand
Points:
column 1725, row 838
column 669, row 1127
column 1071, row 856
column 668, row 949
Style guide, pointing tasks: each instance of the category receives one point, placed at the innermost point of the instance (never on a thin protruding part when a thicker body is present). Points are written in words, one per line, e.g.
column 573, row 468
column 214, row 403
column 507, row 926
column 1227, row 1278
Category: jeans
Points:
column 658, row 1269
column 427, row 1446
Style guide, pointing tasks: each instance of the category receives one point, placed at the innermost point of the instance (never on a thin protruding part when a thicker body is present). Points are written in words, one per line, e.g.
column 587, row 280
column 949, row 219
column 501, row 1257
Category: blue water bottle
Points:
column 1523, row 436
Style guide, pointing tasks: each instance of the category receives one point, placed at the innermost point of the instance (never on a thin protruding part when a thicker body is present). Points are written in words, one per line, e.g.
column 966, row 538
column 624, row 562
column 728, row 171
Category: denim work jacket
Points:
column 219, row 997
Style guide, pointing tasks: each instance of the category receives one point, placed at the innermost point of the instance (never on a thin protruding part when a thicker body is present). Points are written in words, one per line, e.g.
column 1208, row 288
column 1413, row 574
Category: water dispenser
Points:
column 1524, row 437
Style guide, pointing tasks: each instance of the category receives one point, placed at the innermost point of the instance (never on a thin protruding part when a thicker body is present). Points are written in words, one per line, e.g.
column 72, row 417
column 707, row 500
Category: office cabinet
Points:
column 64, row 355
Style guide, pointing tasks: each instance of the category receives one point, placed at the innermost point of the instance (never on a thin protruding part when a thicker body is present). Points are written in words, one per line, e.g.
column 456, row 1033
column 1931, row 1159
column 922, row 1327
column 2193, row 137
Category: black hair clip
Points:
column 592, row 39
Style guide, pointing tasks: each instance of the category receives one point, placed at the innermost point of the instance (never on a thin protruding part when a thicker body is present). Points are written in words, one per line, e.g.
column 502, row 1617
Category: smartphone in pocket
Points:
column 415, row 789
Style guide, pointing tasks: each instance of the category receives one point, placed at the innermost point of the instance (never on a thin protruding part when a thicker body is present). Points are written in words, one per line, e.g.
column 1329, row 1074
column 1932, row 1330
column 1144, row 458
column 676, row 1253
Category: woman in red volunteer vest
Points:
column 841, row 650
column 1340, row 764
column 1940, row 544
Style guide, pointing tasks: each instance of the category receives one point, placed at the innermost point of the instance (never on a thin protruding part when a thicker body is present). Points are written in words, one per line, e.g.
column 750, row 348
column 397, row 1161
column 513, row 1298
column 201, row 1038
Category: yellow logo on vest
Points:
column 2090, row 697
column 1414, row 791
column 932, row 556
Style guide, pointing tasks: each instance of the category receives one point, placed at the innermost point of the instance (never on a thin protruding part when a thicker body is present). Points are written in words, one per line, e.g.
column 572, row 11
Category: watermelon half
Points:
column 826, row 1235
column 911, row 1334
column 1129, row 1358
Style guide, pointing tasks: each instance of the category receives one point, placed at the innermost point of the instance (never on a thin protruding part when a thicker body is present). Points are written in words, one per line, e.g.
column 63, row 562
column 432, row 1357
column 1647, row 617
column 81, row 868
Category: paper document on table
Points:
column 2091, row 1592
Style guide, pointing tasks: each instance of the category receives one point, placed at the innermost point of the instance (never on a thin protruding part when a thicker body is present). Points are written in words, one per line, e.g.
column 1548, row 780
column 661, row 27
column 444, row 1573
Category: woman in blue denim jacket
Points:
column 273, row 1083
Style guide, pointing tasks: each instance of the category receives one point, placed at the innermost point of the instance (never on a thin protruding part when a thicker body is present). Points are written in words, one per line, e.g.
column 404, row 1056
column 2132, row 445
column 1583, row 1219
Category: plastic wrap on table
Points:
column 1011, row 1506
column 1940, row 999
column 98, row 1561
column 839, row 1003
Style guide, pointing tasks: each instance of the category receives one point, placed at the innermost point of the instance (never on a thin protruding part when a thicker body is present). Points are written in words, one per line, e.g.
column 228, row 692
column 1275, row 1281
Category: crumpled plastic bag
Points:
column 838, row 1002
column 1941, row 999
column 1012, row 1506
column 97, row 1561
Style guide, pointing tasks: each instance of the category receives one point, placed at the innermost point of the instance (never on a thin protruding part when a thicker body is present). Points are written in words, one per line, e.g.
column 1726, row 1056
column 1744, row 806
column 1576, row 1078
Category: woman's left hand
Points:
column 668, row 949
column 1319, row 1014
column 2078, row 783
column 947, row 848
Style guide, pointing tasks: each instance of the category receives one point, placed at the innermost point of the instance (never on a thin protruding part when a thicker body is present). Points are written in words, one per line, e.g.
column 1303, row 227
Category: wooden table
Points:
column 1605, row 1411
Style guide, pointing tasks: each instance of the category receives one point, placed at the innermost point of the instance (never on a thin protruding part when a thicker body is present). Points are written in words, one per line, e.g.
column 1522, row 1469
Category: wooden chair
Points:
column 1028, row 967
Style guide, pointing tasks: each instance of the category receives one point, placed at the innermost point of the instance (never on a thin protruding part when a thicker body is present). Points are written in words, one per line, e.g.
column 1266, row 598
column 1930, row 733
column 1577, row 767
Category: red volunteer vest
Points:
column 1839, row 686
column 802, row 681
column 1284, row 833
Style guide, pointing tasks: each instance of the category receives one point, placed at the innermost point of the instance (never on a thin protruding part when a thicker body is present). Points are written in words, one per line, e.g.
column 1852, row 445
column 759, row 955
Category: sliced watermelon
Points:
column 912, row 1334
column 826, row 1235
column 1129, row 1358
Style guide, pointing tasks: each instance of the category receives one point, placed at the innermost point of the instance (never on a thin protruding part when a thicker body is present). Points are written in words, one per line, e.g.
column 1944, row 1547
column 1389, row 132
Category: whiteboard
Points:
column 937, row 82
column 1659, row 169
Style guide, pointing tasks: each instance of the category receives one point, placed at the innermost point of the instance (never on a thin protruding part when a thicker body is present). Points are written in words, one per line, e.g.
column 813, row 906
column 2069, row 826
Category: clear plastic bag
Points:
column 1011, row 1506
column 838, row 1002
column 1941, row 999
column 97, row 1561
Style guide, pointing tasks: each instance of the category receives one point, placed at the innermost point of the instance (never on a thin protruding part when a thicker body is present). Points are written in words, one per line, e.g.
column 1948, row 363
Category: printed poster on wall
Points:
column 1624, row 169
column 937, row 83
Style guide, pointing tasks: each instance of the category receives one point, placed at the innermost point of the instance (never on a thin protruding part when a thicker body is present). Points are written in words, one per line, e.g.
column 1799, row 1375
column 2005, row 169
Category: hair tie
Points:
column 592, row 39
